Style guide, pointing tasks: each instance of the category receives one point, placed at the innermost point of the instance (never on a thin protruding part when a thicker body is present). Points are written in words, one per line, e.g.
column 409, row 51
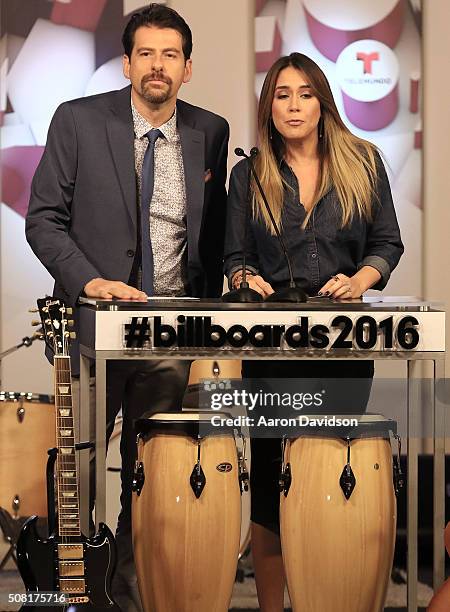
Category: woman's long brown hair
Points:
column 347, row 163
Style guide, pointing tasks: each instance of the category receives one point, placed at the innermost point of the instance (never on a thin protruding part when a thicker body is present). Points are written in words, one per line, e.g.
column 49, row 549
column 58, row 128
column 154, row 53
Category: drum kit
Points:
column 27, row 431
column 191, row 504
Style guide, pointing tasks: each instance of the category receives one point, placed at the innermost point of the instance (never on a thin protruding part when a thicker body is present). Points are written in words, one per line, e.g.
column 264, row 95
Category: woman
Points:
column 329, row 193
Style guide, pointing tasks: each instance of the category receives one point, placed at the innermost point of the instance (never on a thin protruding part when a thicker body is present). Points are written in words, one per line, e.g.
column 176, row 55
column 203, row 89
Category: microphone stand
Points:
column 293, row 293
column 27, row 341
column 244, row 294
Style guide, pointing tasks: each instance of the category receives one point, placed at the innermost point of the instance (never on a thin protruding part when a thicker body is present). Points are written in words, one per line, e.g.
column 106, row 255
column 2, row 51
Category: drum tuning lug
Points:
column 244, row 480
column 243, row 473
column 33, row 310
column 20, row 414
column 216, row 369
column 35, row 322
column 398, row 479
column 139, row 478
column 197, row 480
column 347, row 481
column 16, row 505
column 286, row 479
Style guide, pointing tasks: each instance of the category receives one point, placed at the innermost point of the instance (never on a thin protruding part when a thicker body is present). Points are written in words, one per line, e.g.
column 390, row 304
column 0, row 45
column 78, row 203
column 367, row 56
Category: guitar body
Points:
column 67, row 562
column 38, row 565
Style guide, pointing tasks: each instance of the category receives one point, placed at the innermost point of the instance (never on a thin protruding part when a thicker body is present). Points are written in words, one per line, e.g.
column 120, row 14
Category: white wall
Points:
column 436, row 145
column 223, row 63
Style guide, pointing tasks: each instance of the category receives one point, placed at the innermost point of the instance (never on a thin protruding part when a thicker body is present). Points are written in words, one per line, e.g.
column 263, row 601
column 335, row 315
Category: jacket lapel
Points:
column 193, row 149
column 120, row 132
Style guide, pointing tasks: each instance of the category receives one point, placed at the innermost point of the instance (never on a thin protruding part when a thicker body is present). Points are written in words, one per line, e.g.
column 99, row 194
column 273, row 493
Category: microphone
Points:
column 293, row 293
column 245, row 294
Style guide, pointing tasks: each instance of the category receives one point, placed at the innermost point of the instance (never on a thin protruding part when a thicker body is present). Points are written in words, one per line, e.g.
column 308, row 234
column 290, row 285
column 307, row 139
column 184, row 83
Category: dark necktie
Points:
column 148, row 179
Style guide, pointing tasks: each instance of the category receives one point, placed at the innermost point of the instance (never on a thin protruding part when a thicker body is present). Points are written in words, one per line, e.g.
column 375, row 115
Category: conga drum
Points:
column 27, row 431
column 206, row 375
column 186, row 513
column 338, row 517
column 211, row 375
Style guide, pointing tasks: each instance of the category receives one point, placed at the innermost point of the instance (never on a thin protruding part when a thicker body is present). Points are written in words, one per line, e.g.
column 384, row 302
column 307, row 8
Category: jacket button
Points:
column 130, row 253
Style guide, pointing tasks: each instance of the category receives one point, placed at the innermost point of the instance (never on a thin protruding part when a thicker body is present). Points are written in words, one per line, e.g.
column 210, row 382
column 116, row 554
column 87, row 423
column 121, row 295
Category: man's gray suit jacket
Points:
column 83, row 218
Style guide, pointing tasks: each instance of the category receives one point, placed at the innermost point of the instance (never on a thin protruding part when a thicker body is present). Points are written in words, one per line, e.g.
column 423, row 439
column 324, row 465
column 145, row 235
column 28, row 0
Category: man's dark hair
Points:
column 159, row 16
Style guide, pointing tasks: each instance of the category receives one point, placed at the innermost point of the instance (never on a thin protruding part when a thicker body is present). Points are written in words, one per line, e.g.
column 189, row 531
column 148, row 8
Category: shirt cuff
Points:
column 380, row 264
column 235, row 269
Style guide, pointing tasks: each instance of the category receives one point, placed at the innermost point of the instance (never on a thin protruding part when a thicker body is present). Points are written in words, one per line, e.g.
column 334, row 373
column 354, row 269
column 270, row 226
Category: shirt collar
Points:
column 142, row 126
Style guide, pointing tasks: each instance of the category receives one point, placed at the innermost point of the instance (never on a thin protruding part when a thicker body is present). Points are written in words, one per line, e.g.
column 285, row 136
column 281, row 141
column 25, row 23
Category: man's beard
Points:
column 155, row 96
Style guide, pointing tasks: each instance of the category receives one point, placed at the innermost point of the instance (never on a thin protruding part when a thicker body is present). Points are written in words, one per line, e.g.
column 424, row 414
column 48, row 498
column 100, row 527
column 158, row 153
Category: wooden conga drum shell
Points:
column 27, row 431
column 338, row 553
column 186, row 549
column 219, row 371
column 214, row 368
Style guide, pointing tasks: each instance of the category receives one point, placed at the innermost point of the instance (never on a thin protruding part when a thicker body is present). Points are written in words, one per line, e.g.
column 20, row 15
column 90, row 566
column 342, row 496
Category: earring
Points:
column 270, row 129
column 320, row 128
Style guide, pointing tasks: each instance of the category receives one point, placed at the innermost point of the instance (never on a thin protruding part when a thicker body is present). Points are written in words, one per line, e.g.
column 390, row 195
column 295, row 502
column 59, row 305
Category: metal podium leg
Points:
column 84, row 433
column 412, row 485
column 100, row 442
column 438, row 474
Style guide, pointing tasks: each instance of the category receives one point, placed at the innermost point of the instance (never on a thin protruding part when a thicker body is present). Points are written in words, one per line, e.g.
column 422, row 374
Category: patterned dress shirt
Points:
column 168, row 228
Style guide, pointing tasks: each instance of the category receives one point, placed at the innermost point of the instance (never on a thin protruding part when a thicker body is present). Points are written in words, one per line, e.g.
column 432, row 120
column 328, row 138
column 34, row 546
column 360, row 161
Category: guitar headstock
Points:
column 55, row 324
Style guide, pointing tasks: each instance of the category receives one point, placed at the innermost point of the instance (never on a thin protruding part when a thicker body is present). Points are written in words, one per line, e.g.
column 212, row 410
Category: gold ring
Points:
column 336, row 278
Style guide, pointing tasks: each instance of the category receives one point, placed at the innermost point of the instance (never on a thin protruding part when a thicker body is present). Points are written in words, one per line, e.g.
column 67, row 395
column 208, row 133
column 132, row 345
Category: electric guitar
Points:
column 75, row 570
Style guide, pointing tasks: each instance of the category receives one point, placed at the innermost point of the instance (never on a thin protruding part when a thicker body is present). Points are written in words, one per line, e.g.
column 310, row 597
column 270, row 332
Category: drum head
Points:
column 374, row 426
column 193, row 424
column 24, row 396
column 352, row 426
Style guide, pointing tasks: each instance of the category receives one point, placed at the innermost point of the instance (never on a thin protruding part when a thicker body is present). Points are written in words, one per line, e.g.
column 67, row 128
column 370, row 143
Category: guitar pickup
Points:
column 72, row 585
column 70, row 551
column 71, row 568
column 73, row 600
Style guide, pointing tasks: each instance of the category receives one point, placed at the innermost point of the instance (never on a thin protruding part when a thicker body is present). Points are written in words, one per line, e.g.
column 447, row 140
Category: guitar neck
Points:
column 66, row 466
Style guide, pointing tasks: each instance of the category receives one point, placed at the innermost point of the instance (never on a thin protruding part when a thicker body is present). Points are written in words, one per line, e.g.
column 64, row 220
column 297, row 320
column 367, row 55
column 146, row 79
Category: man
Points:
column 119, row 209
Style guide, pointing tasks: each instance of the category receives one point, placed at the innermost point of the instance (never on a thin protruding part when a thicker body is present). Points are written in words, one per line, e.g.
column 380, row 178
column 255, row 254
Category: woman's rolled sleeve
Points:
column 235, row 239
column 384, row 245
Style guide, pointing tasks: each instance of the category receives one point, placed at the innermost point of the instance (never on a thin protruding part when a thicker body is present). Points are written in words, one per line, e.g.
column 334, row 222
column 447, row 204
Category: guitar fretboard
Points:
column 67, row 479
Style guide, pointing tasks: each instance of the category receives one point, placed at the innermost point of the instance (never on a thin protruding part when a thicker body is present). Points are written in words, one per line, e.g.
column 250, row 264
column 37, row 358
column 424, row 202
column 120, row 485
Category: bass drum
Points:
column 27, row 431
column 113, row 463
